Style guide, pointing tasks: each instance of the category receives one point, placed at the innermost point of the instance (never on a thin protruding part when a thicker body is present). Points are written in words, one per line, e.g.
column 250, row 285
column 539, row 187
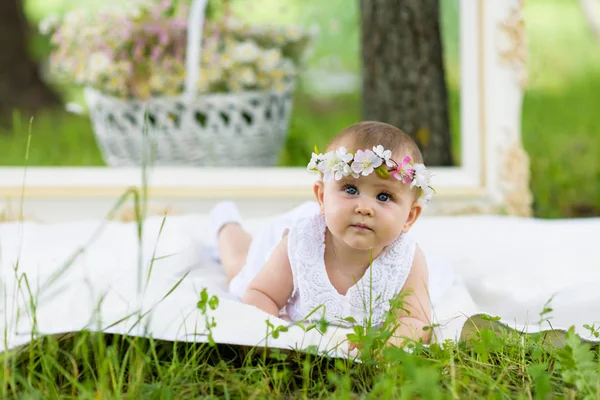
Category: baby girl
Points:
column 349, row 251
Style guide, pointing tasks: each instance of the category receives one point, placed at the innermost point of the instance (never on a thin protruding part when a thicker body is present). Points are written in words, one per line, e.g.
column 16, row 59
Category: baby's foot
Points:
column 225, row 212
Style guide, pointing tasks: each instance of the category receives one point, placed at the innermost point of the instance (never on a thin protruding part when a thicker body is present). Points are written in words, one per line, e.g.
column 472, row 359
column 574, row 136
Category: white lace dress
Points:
column 368, row 298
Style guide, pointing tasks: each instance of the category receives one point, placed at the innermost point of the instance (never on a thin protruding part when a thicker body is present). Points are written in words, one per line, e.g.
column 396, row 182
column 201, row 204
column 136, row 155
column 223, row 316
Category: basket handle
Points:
column 194, row 47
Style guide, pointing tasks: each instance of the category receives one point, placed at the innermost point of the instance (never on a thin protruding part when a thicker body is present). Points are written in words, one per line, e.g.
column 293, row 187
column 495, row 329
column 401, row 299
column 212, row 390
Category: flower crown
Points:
column 340, row 163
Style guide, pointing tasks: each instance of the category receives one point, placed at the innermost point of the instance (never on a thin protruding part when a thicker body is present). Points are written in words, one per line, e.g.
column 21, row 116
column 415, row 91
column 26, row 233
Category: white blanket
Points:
column 507, row 267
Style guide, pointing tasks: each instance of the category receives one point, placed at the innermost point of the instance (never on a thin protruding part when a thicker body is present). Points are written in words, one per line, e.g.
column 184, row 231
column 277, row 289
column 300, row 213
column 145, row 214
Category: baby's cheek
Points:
column 332, row 217
column 335, row 221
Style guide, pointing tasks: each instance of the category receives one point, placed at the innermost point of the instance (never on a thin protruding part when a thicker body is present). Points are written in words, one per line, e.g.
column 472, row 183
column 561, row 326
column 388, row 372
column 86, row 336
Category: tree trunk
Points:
column 21, row 87
column 403, row 72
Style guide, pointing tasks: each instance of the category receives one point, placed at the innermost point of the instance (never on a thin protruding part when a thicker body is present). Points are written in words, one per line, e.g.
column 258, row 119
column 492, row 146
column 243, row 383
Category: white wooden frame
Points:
column 493, row 176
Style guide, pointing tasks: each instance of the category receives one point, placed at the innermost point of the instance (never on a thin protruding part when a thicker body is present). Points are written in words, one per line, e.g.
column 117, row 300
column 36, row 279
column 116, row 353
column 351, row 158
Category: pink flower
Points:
column 156, row 53
column 179, row 23
column 57, row 38
column 165, row 5
column 163, row 36
column 405, row 171
column 156, row 13
column 126, row 30
column 179, row 55
column 138, row 52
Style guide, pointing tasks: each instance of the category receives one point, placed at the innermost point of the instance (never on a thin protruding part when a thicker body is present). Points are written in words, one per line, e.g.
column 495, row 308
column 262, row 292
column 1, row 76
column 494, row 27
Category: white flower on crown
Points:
column 365, row 162
column 339, row 163
column 315, row 159
column 426, row 195
column 385, row 154
column 335, row 165
column 421, row 177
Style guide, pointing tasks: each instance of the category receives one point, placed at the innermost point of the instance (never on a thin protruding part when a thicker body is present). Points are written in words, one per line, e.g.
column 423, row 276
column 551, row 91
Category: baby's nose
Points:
column 364, row 208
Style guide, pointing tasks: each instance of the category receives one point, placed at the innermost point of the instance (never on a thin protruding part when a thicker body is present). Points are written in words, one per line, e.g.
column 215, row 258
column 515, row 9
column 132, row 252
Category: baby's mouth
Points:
column 362, row 227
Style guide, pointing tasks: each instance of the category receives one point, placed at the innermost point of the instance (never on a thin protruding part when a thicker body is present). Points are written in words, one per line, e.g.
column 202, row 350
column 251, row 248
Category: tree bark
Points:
column 21, row 87
column 403, row 72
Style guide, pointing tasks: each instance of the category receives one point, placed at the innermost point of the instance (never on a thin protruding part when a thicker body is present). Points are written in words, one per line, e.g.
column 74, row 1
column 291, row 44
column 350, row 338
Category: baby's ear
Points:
column 319, row 190
column 413, row 216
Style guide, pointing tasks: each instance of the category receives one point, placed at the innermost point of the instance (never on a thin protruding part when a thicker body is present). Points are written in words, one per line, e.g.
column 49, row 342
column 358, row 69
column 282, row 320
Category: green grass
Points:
column 562, row 137
column 491, row 364
column 57, row 139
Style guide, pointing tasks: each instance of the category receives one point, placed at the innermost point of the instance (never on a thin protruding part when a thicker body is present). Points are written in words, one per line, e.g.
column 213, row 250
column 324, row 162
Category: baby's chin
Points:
column 363, row 245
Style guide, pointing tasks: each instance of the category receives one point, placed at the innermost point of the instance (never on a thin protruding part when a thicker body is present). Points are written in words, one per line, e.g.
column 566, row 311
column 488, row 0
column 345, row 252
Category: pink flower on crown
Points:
column 405, row 171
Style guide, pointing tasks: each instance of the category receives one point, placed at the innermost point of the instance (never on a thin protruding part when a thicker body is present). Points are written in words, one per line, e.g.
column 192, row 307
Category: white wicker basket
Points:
column 208, row 130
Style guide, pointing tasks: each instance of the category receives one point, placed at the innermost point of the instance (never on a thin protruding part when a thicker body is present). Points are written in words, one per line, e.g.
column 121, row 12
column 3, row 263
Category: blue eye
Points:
column 383, row 197
column 350, row 190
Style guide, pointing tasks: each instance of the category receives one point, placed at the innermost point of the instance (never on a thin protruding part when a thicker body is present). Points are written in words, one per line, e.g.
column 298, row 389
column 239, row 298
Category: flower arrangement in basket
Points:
column 205, row 87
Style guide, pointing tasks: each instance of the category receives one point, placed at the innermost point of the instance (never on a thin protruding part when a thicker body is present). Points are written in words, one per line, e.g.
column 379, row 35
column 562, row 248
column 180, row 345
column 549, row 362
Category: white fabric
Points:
column 441, row 275
column 505, row 266
column 312, row 288
column 263, row 242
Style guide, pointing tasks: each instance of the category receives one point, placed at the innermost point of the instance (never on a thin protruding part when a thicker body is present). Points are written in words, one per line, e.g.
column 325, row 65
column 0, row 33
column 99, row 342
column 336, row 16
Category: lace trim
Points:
column 312, row 287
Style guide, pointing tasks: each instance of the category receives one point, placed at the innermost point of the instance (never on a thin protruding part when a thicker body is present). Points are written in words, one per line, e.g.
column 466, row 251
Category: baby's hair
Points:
column 365, row 135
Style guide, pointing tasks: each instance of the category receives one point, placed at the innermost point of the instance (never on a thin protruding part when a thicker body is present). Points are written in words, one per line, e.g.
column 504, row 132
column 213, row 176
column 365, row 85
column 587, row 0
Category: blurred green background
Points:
column 561, row 117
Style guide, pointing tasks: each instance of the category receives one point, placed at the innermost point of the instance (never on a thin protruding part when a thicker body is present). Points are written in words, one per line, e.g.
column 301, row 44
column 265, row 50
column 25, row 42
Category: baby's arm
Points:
column 415, row 313
column 273, row 286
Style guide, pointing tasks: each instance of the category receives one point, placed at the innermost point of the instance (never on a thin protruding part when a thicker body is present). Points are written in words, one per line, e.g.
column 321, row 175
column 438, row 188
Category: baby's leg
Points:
column 234, row 243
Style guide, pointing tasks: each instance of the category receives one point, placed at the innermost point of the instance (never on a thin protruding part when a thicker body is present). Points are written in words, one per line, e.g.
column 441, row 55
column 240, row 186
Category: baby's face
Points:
column 368, row 212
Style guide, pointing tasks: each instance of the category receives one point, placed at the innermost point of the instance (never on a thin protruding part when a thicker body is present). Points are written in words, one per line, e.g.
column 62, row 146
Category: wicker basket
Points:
column 207, row 130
